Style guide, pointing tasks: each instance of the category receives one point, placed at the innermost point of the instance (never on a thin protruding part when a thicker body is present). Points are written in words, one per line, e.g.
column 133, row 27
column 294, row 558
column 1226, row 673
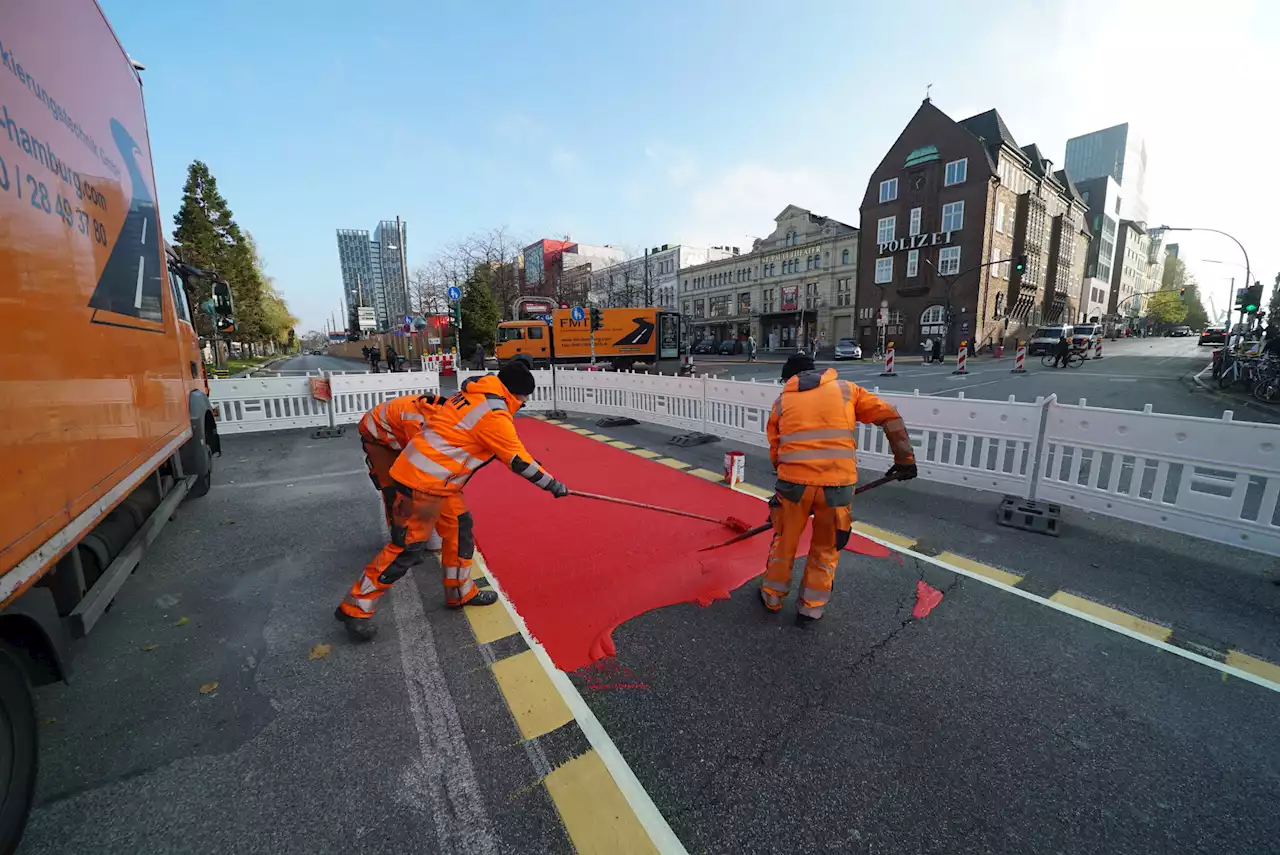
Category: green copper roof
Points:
column 922, row 155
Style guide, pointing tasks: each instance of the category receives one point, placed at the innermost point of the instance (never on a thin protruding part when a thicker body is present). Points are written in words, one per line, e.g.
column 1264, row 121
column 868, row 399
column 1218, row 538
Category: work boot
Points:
column 358, row 629
column 804, row 621
column 482, row 598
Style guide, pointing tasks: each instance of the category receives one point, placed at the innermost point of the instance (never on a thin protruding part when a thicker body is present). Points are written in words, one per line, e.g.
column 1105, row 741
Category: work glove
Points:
column 557, row 489
column 903, row 471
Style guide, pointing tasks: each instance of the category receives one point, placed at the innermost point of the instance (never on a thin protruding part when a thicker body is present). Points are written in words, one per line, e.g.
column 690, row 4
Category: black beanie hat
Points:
column 517, row 378
column 797, row 363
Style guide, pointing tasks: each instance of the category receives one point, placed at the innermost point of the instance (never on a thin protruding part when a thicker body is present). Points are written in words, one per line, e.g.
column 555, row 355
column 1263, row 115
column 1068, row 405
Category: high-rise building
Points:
column 374, row 272
column 1117, row 153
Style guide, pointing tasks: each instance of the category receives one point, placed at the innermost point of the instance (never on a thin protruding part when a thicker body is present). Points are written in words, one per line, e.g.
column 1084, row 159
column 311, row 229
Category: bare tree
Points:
column 498, row 250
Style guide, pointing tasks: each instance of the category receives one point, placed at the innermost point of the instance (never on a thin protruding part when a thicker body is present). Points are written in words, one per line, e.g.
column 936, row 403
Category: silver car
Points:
column 847, row 348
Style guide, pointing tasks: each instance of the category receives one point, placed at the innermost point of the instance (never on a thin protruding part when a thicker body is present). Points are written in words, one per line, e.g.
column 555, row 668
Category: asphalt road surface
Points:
column 219, row 707
column 1131, row 374
column 308, row 362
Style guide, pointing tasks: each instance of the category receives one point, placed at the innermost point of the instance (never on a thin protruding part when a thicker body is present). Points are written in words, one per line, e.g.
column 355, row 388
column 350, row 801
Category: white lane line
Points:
column 651, row 819
column 144, row 231
column 1122, row 380
column 1044, row 601
column 443, row 770
column 137, row 295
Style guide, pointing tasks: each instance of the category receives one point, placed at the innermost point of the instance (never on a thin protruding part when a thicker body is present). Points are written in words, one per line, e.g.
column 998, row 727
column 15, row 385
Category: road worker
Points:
column 384, row 432
column 472, row 428
column 812, row 444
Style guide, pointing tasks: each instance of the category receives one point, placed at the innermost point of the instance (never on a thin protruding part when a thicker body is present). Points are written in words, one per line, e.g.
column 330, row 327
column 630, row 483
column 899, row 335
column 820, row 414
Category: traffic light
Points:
column 597, row 320
column 1182, row 292
column 1253, row 297
column 455, row 315
column 1020, row 263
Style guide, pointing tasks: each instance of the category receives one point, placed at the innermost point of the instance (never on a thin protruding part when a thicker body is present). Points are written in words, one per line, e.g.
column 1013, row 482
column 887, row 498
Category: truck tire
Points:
column 203, row 482
column 19, row 754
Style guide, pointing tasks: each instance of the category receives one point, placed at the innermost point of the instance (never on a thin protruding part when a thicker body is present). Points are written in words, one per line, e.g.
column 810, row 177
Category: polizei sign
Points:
column 916, row 242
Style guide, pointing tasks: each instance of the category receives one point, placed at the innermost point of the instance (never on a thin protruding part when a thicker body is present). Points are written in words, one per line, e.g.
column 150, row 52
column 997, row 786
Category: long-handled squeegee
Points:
column 760, row 529
column 729, row 522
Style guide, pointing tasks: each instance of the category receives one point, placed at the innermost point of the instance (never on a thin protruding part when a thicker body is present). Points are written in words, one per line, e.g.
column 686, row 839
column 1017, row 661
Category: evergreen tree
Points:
column 480, row 312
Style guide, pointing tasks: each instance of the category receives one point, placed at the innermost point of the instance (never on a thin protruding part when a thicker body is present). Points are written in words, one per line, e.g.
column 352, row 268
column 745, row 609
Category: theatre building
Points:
column 945, row 214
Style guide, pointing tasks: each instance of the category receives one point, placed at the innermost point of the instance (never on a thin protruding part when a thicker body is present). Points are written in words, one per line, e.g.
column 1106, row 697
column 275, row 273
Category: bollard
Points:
column 1097, row 349
column 1018, row 366
column 888, row 362
column 963, row 357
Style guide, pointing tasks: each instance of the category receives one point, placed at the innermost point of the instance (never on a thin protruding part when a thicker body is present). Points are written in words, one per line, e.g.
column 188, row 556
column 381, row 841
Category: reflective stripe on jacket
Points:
column 393, row 423
column 470, row 429
column 813, row 429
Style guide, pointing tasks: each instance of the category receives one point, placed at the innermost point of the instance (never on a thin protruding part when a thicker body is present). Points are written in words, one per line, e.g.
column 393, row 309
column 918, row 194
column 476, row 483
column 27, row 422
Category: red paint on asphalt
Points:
column 927, row 599
column 575, row 569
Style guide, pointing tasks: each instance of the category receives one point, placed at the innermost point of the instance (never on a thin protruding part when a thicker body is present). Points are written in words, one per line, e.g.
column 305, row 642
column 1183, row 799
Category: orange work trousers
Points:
column 378, row 458
column 789, row 510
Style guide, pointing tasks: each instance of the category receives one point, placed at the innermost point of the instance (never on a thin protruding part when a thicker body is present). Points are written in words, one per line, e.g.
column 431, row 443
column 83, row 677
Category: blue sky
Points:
column 641, row 124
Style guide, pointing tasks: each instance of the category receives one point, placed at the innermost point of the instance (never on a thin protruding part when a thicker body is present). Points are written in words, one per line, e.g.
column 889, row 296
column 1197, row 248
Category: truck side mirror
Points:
column 222, row 302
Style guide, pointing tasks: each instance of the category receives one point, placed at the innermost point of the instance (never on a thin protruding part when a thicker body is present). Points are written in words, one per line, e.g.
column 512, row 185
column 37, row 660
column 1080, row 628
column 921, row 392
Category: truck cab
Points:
column 524, row 338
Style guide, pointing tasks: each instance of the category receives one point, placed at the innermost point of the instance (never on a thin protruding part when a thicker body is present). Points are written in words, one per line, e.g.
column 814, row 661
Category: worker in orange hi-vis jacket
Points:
column 472, row 428
column 384, row 432
column 813, row 446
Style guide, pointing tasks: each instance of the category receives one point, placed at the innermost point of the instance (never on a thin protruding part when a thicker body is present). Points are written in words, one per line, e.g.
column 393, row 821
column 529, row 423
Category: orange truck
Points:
column 626, row 336
column 104, row 408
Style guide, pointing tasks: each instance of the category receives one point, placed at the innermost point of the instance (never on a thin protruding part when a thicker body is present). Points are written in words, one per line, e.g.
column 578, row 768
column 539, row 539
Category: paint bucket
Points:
column 735, row 468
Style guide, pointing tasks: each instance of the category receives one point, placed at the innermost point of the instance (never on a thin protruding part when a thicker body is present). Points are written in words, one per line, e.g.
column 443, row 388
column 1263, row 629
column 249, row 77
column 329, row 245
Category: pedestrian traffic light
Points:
column 597, row 321
column 1253, row 297
column 455, row 315
column 1020, row 263
column 1182, row 292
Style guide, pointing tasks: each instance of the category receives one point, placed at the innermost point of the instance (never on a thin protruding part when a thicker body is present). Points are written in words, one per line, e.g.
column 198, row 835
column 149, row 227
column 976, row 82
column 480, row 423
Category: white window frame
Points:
column 888, row 190
column 949, row 260
column 997, row 267
column 962, row 167
column 914, row 228
column 1000, row 217
column 913, row 263
column 886, row 228
column 884, row 270
column 953, row 212
column 933, row 315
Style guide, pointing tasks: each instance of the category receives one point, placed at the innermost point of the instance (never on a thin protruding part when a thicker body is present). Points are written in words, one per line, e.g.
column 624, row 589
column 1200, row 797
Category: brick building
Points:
column 944, row 215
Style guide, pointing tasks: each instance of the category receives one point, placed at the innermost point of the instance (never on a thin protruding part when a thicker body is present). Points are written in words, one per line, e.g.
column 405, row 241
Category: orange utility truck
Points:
column 625, row 337
column 105, row 422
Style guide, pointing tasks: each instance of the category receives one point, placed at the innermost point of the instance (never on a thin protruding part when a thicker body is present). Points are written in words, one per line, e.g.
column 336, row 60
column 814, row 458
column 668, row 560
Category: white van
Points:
column 1046, row 339
column 1084, row 335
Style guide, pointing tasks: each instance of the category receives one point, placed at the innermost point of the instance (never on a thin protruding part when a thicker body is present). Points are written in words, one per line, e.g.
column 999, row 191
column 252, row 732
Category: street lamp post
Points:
column 1248, row 278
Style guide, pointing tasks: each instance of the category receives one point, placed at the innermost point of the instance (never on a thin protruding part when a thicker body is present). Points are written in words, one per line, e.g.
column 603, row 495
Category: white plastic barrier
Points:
column 255, row 404
column 1216, row 479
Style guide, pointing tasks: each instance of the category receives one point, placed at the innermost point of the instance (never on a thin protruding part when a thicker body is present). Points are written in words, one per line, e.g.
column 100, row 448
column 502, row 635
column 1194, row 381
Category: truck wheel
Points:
column 19, row 754
column 204, row 482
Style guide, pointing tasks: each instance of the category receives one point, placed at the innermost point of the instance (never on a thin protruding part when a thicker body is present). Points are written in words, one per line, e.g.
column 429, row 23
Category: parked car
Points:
column 1213, row 335
column 705, row 346
column 728, row 346
column 1046, row 339
column 1083, row 336
column 847, row 348
column 1181, row 332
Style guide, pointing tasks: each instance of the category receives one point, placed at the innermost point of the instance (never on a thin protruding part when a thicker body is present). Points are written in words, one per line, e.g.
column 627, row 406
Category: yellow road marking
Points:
column 582, row 431
column 645, row 453
column 883, row 534
column 476, row 572
column 753, row 490
column 1115, row 616
column 533, row 700
column 553, row 421
column 601, row 437
column 617, row 443
column 490, row 624
column 673, row 463
column 594, row 811
column 1002, row 576
column 707, row 474
column 1258, row 667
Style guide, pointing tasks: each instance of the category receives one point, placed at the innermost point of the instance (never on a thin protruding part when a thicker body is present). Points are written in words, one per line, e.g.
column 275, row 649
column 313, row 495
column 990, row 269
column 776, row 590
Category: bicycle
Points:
column 1075, row 358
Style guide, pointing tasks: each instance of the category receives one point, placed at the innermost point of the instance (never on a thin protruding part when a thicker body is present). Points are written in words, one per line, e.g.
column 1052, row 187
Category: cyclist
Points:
column 1060, row 352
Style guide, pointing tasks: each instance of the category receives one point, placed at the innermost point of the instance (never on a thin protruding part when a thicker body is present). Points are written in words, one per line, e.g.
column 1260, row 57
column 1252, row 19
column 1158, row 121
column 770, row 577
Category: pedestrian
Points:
column 384, row 432
column 937, row 350
column 375, row 356
column 928, row 351
column 391, row 358
column 813, row 447
column 477, row 358
column 1061, row 350
column 364, row 352
column 473, row 428
column 751, row 348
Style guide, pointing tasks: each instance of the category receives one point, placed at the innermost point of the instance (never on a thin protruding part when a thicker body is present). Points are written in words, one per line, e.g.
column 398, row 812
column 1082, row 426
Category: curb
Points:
column 1237, row 399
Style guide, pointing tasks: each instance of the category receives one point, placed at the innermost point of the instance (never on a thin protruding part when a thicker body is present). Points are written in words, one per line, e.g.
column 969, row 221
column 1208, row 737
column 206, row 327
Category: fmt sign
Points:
column 916, row 242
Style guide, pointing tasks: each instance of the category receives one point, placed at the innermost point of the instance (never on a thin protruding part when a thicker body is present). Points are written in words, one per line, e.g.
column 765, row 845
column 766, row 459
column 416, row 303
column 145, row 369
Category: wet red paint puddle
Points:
column 927, row 599
column 575, row 568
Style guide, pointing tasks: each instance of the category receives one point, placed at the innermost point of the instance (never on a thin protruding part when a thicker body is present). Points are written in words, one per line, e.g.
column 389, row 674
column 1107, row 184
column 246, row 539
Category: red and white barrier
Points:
column 1019, row 361
column 963, row 358
column 1097, row 348
column 888, row 363
column 437, row 361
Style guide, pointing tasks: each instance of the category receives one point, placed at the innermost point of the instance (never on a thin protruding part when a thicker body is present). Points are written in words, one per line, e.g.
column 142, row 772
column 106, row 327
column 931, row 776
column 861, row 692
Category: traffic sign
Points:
column 576, row 313
column 547, row 318
column 455, row 293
